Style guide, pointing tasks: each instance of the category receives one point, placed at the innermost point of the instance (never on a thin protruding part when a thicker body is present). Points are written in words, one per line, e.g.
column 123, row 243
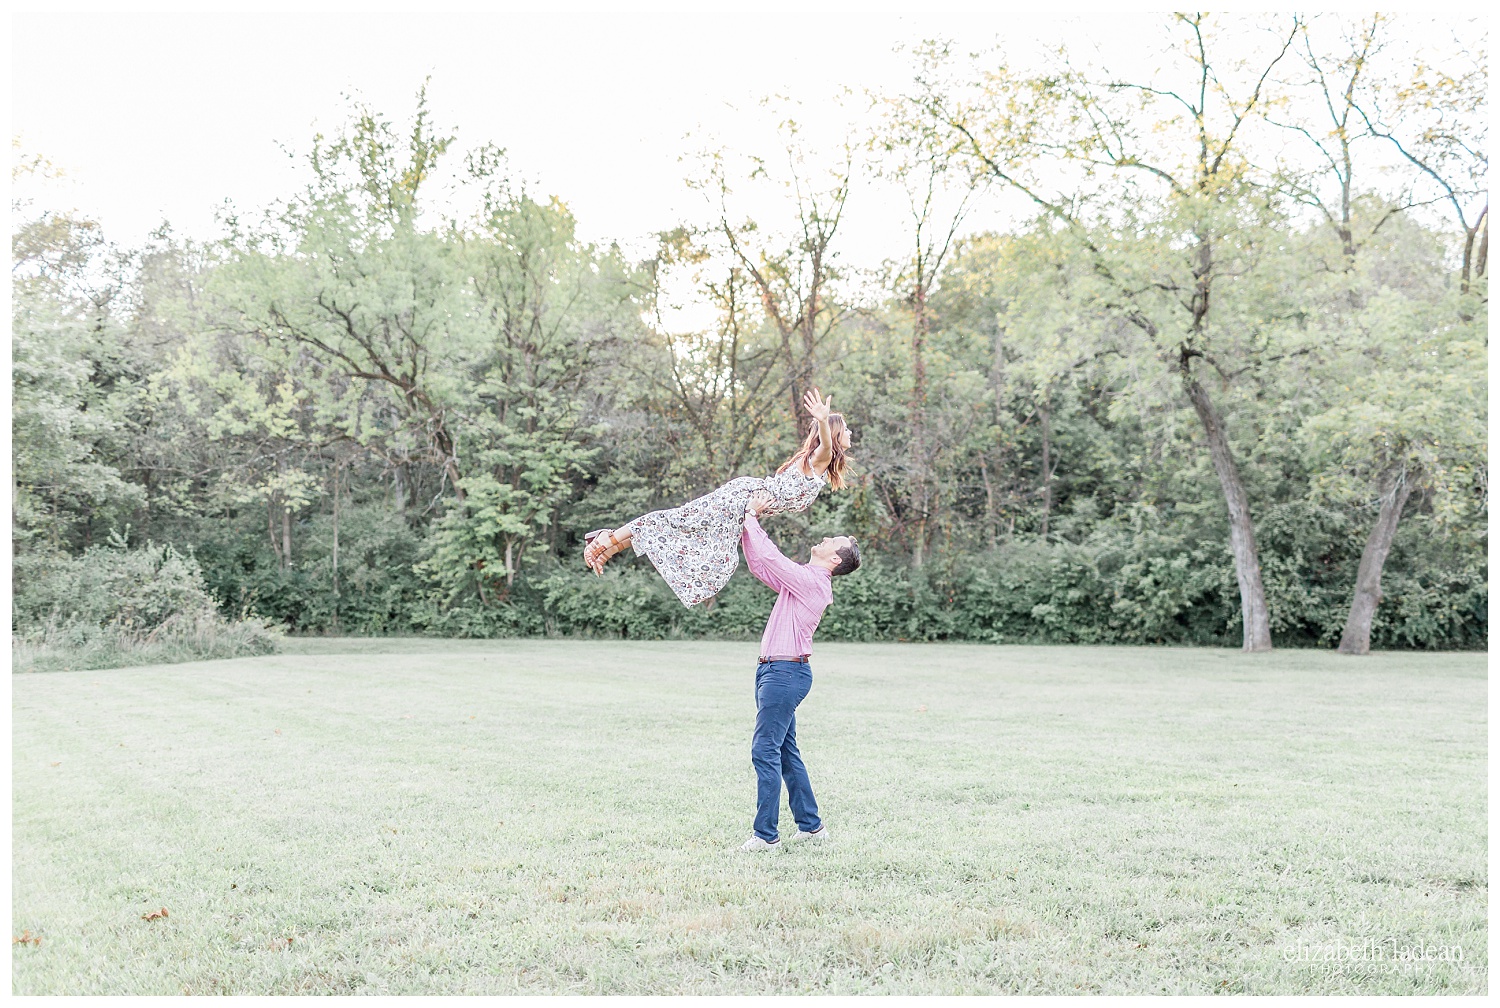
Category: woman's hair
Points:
column 837, row 462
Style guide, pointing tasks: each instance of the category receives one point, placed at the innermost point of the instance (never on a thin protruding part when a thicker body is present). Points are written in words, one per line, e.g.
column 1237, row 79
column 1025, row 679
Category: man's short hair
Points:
column 848, row 557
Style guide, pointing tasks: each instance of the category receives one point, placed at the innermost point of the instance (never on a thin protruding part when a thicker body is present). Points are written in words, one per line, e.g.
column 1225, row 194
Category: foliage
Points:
column 1409, row 399
column 115, row 606
column 1134, row 581
column 369, row 410
column 67, row 407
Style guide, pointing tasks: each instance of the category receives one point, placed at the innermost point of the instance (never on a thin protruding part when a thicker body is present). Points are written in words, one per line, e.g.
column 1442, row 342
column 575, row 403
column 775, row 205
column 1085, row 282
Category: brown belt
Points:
column 784, row 657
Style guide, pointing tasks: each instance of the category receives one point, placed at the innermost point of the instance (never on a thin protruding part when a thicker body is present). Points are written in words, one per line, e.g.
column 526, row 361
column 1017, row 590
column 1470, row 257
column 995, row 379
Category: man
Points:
column 784, row 677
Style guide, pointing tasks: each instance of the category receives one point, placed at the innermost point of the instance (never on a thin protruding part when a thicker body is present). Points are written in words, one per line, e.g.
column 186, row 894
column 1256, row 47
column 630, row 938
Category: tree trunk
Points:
column 917, row 409
column 810, row 326
column 1253, row 612
column 997, row 374
column 1482, row 259
column 443, row 441
column 1476, row 253
column 997, row 384
column 919, row 327
column 286, row 537
column 337, row 470
column 1471, row 238
column 400, row 481
column 989, row 499
column 272, row 506
column 1045, row 414
column 1395, row 487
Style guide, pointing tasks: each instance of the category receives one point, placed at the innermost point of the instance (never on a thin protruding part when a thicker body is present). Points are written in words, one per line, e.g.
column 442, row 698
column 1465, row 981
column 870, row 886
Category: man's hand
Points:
column 758, row 502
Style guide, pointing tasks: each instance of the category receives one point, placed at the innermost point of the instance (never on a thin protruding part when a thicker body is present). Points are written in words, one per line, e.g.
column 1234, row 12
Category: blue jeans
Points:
column 779, row 687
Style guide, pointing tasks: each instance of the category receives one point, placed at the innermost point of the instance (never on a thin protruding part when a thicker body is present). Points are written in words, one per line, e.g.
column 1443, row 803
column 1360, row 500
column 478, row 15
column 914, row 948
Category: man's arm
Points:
column 765, row 561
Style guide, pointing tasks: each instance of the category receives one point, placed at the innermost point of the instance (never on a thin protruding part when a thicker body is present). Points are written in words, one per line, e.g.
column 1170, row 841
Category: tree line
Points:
column 1222, row 381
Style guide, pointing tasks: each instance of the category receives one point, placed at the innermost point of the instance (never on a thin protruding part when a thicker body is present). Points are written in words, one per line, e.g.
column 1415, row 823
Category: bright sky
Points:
column 166, row 116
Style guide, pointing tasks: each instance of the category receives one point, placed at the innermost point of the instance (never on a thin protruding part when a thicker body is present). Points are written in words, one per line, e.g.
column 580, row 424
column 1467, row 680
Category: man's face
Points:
column 827, row 550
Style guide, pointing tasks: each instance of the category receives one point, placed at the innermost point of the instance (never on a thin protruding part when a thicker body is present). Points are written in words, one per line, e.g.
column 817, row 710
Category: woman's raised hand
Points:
column 817, row 406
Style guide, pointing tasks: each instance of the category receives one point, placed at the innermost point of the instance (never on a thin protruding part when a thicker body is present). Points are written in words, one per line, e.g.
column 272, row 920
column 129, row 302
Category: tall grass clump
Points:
column 114, row 606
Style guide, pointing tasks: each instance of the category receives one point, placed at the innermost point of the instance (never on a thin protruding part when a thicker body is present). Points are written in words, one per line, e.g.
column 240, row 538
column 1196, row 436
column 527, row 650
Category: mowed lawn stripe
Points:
column 560, row 816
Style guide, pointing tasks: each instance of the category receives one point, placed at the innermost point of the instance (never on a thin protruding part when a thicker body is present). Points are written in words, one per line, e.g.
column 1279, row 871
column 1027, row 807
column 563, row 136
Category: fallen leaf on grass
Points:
column 25, row 938
column 154, row 914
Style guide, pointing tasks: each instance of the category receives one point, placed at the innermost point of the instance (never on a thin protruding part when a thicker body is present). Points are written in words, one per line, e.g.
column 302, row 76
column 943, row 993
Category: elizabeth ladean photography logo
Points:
column 1375, row 955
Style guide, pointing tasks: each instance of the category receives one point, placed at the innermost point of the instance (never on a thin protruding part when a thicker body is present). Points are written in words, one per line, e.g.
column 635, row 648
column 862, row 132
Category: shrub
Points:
column 633, row 602
column 115, row 606
column 378, row 590
column 1142, row 576
column 1130, row 580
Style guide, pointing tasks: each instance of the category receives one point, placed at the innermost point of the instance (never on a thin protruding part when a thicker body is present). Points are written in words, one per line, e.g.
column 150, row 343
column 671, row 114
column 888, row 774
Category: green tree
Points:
column 67, row 409
column 1437, row 120
column 716, row 394
column 552, row 313
column 1183, row 178
column 914, row 155
column 1406, row 414
column 792, row 269
column 348, row 276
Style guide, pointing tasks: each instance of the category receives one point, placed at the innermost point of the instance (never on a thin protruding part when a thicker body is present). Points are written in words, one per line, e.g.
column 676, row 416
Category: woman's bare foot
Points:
column 603, row 544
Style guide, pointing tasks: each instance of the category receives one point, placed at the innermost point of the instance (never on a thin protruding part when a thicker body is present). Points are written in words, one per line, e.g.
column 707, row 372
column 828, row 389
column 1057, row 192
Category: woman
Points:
column 696, row 546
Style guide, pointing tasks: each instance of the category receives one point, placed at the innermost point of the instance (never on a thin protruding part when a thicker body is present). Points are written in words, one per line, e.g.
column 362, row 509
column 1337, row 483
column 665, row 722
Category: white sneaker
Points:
column 755, row 843
column 816, row 836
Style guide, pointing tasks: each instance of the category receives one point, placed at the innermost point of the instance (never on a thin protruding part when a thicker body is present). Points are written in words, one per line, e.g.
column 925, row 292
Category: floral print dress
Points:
column 696, row 546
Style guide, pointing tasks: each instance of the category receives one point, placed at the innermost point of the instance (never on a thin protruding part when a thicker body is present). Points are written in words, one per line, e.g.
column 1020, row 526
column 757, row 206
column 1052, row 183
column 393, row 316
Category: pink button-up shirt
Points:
column 803, row 591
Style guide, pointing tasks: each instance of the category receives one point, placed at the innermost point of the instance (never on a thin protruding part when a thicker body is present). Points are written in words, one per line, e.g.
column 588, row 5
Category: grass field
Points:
column 560, row 816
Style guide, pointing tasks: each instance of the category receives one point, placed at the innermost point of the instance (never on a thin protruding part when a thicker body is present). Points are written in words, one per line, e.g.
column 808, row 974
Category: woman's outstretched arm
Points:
column 819, row 408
